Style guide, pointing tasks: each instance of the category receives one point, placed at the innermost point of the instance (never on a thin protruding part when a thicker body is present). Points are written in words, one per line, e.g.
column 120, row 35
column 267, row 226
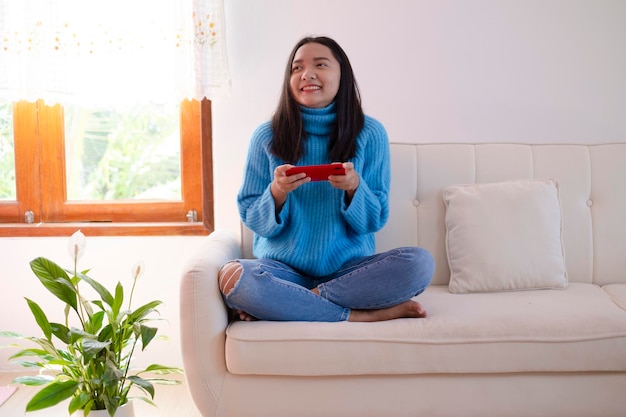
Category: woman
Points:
column 315, row 240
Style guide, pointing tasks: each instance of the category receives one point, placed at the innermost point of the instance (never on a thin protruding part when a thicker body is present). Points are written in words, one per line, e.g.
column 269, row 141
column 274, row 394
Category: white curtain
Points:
column 112, row 52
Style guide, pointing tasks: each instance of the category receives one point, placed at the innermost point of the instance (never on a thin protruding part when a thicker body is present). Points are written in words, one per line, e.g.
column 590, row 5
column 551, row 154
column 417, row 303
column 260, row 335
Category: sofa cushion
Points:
column 504, row 236
column 574, row 330
column 617, row 292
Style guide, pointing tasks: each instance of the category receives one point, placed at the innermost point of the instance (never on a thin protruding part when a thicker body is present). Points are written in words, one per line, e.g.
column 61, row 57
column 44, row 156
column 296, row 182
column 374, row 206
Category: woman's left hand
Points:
column 348, row 182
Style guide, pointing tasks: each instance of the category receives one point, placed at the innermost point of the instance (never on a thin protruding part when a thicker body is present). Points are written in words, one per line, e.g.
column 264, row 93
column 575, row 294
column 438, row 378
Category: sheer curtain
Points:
column 112, row 52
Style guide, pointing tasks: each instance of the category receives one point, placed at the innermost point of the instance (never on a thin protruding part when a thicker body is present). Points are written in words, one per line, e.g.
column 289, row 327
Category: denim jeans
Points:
column 270, row 290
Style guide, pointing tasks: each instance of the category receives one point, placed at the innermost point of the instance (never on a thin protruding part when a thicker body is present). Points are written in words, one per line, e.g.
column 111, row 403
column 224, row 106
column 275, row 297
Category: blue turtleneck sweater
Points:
column 317, row 231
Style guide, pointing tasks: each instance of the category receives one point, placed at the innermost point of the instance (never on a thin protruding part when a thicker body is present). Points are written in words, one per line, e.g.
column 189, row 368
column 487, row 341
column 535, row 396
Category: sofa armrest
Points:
column 203, row 320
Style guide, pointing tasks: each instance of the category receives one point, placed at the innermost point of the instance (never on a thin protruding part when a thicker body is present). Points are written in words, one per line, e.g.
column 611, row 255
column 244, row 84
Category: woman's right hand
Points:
column 283, row 184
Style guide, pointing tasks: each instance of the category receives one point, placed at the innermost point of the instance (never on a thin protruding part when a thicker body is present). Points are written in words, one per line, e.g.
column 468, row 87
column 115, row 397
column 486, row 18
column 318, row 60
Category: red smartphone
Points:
column 318, row 172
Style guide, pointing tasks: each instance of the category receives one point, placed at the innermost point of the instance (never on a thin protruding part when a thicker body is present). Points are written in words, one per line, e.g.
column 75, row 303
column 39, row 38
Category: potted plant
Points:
column 88, row 357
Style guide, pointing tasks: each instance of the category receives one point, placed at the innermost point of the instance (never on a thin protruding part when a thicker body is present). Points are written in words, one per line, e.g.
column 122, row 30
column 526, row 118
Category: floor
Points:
column 171, row 400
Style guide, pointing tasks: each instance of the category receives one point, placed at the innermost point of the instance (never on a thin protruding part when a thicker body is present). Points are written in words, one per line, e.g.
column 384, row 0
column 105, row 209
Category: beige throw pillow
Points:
column 504, row 236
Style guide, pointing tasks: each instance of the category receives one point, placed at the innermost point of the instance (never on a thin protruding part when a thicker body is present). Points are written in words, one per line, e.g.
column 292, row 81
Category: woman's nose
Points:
column 308, row 75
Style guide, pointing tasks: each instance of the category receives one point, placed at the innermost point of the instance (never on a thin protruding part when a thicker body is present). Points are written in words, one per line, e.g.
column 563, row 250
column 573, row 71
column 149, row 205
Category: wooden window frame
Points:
column 40, row 155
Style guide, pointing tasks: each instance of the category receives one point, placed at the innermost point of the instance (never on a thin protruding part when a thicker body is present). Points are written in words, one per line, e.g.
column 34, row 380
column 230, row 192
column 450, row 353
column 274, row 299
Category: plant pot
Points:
column 127, row 410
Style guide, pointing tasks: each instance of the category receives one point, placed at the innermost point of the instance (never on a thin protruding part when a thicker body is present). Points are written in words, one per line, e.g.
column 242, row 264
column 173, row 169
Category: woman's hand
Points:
column 283, row 184
column 348, row 182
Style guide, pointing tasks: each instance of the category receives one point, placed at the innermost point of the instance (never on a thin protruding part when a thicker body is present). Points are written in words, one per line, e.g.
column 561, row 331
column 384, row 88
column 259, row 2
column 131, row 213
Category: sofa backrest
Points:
column 592, row 184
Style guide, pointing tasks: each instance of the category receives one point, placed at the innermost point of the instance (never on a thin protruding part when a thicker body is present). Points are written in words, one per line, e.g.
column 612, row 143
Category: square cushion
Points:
column 504, row 236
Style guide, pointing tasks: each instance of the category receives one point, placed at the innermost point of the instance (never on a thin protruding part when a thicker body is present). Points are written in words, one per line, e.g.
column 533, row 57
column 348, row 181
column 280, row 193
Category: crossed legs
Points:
column 230, row 274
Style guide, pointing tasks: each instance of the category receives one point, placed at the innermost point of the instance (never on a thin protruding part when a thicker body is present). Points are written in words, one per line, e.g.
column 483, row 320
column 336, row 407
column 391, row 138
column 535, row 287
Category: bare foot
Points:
column 243, row 316
column 408, row 309
column 239, row 315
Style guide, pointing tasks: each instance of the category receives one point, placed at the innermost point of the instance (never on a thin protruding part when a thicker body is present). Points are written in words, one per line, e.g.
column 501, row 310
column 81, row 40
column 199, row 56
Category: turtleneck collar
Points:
column 318, row 121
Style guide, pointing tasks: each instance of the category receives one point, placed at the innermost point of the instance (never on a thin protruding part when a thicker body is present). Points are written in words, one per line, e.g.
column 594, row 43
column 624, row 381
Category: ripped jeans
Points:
column 270, row 290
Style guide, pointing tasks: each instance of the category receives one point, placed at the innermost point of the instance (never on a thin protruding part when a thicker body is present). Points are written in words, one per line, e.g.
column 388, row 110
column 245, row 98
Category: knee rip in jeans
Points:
column 229, row 276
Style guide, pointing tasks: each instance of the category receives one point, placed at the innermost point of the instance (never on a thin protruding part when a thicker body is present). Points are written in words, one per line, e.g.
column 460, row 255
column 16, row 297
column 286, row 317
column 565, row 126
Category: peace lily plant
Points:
column 88, row 357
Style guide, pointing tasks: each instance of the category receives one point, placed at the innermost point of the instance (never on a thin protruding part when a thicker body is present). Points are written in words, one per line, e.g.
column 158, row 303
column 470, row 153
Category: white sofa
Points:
column 543, row 352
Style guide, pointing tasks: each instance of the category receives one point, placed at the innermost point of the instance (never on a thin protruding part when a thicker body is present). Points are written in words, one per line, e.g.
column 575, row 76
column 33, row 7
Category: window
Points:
column 138, row 170
column 143, row 171
column 7, row 156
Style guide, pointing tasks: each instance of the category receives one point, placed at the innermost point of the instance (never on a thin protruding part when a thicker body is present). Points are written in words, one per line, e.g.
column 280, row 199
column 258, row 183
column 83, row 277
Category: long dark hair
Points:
column 287, row 126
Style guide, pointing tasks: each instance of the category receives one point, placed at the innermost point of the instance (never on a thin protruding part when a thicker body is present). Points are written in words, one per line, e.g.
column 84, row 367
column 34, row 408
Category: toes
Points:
column 421, row 311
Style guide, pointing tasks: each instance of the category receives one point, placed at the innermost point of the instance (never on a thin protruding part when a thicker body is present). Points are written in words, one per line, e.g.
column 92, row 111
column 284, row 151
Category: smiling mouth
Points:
column 311, row 88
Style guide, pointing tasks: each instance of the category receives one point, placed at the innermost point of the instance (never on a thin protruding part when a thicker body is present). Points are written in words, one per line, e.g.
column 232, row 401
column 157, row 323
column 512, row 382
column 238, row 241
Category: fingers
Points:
column 283, row 184
column 348, row 182
column 288, row 183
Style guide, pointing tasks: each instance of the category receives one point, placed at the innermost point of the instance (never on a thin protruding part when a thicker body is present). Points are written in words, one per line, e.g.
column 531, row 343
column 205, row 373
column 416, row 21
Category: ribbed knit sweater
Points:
column 316, row 231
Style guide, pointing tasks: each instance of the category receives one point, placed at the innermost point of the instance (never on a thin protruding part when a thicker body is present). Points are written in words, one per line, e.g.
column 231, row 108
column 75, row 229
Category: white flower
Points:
column 138, row 269
column 76, row 245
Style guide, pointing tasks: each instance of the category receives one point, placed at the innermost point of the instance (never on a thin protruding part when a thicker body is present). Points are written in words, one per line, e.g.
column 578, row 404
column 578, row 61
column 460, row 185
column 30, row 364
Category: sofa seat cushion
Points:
column 574, row 330
column 617, row 292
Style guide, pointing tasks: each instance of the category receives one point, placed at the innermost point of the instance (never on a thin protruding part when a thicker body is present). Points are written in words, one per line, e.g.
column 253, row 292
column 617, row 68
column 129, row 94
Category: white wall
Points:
column 437, row 71
column 433, row 71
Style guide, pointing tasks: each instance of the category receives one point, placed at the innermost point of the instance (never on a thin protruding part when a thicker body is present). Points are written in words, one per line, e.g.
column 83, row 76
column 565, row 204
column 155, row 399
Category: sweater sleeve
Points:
column 368, row 210
column 257, row 208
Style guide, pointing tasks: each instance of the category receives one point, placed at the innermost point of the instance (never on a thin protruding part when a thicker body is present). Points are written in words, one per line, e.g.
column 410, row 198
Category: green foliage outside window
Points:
column 7, row 156
column 110, row 155
column 130, row 154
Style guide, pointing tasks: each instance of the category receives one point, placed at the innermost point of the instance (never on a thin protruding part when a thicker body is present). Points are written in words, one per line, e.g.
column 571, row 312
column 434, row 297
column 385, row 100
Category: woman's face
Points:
column 315, row 75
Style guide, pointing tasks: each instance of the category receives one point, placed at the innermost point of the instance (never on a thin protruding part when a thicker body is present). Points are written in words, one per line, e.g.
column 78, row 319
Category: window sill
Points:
column 104, row 229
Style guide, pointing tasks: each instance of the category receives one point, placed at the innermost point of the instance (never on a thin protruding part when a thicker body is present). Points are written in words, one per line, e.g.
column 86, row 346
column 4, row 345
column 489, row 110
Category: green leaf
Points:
column 13, row 335
column 143, row 384
column 34, row 381
column 119, row 299
column 106, row 333
column 29, row 352
column 43, row 362
column 87, row 306
column 145, row 309
column 66, row 358
column 94, row 324
column 78, row 402
column 77, row 334
column 87, row 407
column 92, row 347
column 111, row 374
column 52, row 395
column 58, row 363
column 136, row 327
column 40, row 318
column 147, row 334
column 47, row 346
column 144, row 399
column 60, row 331
column 163, row 381
column 29, row 364
column 162, row 370
column 111, row 405
column 105, row 295
column 48, row 273
column 66, row 282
